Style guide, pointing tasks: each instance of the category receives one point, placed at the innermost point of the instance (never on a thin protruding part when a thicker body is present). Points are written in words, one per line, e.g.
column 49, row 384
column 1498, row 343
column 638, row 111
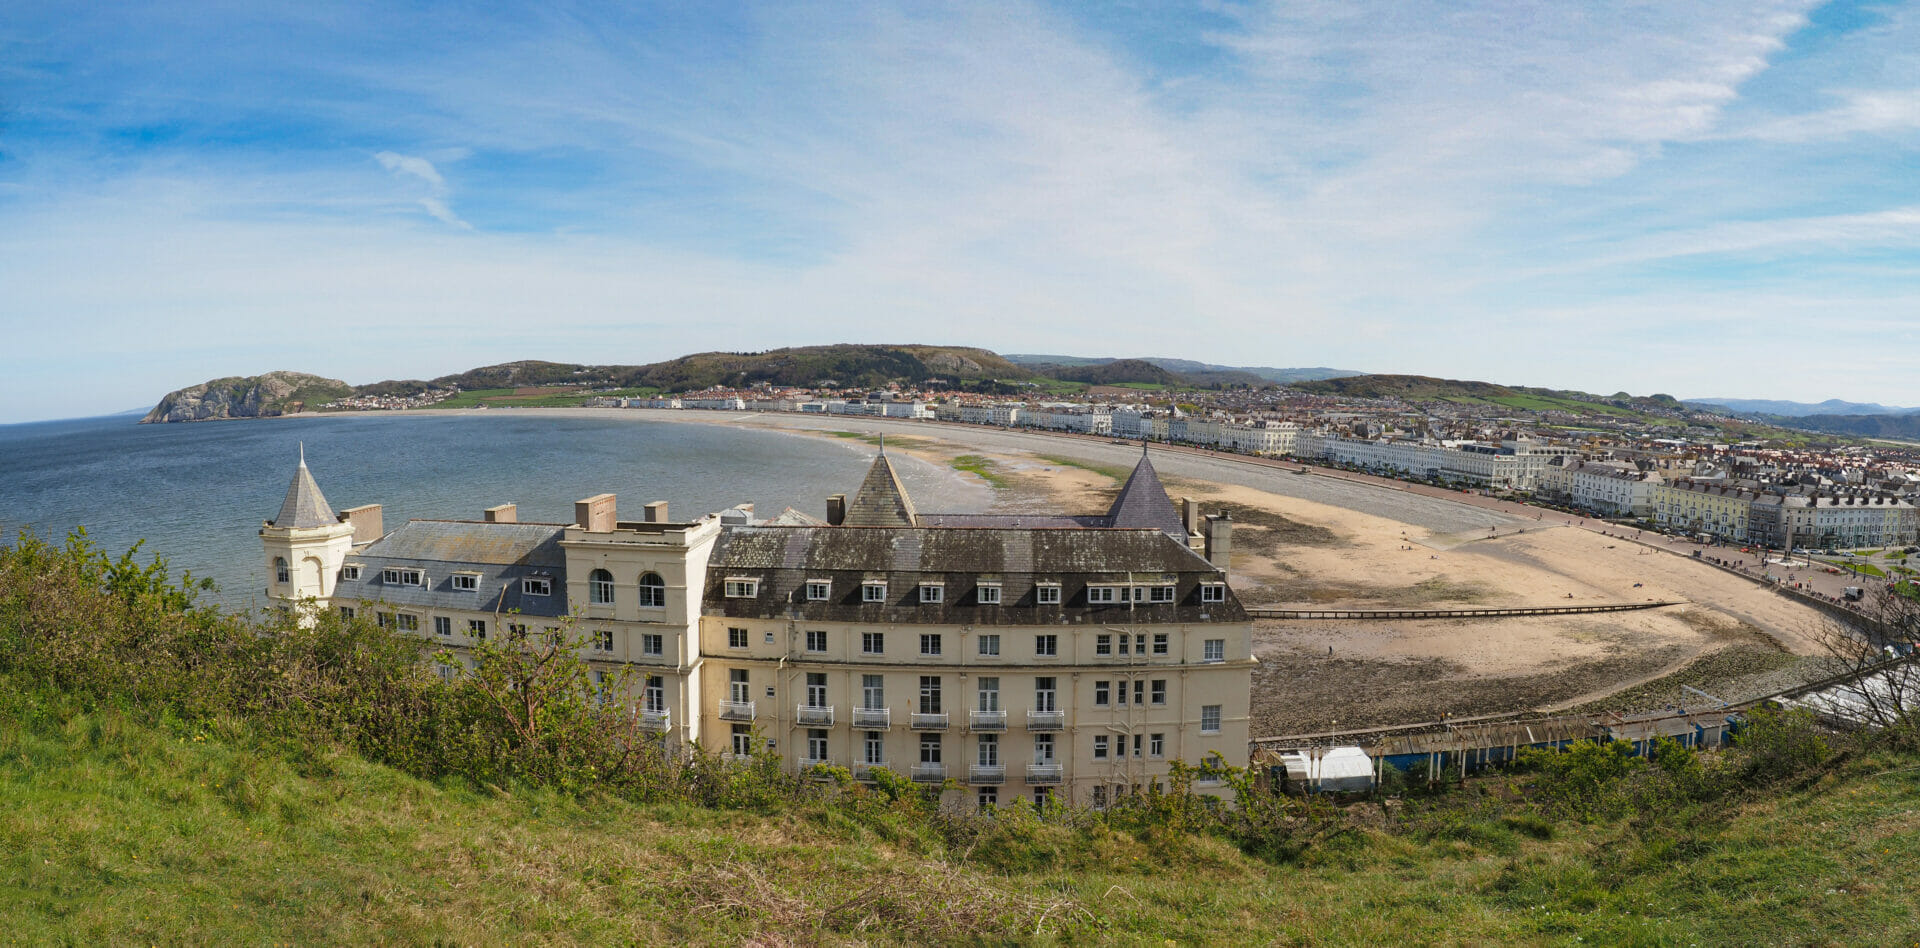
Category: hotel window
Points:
column 739, row 688
column 1046, row 645
column 1103, row 645
column 1214, row 650
column 873, row 692
column 742, row 740
column 653, row 643
column 873, row 592
column 1138, row 685
column 1123, row 643
column 736, row 638
column 873, row 643
column 989, row 798
column 465, row 582
column 1100, row 747
column 816, row 689
column 383, row 619
column 1213, row 592
column 408, row 623
column 346, row 612
column 1160, row 594
column 930, row 749
column 818, row 590
column 930, row 643
column 989, row 750
column 989, row 644
column 1209, row 719
column 989, row 693
column 1159, row 693
column 280, row 573
column 477, row 628
column 655, row 696
column 1102, row 593
column 600, row 587
column 400, row 577
column 1159, row 643
column 816, row 744
column 1156, row 745
column 602, row 640
column 989, row 594
column 1102, row 694
column 876, row 747
column 816, row 640
column 536, row 587
column 350, row 572
column 653, row 591
column 1043, row 696
column 929, row 694
column 1047, row 594
column 932, row 593
column 742, row 588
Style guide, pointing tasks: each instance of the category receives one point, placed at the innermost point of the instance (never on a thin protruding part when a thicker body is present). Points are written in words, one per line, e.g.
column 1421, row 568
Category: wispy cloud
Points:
column 424, row 170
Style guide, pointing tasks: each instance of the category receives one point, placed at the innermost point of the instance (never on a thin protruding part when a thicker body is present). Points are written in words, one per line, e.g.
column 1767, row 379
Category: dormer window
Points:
column 392, row 576
column 1103, row 593
column 873, row 591
column 536, row 587
column 739, row 587
column 988, row 594
column 932, row 593
column 466, row 582
column 350, row 572
column 1047, row 594
column 1160, row 593
column 819, row 590
column 1213, row 592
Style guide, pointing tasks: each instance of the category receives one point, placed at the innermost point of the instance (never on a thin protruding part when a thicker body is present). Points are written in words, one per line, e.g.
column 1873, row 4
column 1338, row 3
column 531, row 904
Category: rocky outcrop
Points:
column 257, row 396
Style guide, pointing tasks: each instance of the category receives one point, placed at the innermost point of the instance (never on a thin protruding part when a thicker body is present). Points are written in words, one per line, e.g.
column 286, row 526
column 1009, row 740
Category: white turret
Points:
column 305, row 545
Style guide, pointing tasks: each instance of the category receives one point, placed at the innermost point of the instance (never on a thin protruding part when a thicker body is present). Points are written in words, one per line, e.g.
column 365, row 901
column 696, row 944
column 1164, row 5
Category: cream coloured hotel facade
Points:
column 999, row 657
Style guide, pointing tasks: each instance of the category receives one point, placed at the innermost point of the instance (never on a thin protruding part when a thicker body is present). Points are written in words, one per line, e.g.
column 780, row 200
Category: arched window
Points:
column 600, row 587
column 653, row 590
column 280, row 569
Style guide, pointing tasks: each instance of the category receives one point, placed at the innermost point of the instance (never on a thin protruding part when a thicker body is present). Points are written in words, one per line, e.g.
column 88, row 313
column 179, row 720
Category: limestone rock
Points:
column 258, row 396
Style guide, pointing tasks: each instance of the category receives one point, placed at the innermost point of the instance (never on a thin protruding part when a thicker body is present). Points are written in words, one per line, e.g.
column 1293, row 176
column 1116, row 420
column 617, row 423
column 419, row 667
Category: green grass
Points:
column 471, row 399
column 1114, row 472
column 121, row 832
column 983, row 468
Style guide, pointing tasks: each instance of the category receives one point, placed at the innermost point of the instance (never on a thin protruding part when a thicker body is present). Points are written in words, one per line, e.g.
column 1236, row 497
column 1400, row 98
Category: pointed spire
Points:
column 883, row 444
column 882, row 501
column 305, row 506
column 1143, row 502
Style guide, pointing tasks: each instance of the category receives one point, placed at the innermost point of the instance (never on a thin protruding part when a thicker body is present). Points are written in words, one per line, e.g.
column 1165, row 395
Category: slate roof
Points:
column 1143, row 502
column 784, row 559
column 881, row 501
column 305, row 506
column 502, row 554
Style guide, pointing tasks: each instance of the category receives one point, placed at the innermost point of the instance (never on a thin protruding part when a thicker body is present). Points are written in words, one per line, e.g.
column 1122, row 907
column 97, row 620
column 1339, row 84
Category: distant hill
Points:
column 256, row 396
column 1832, row 406
column 1899, row 427
column 1421, row 388
column 1192, row 369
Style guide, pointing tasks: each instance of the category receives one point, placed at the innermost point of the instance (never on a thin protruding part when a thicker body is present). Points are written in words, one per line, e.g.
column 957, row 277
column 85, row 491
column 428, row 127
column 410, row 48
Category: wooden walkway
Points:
column 1265, row 613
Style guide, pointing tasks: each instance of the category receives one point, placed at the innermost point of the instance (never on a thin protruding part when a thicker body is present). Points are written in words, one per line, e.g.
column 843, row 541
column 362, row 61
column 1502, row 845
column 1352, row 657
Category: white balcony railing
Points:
column 872, row 717
column 929, row 773
column 815, row 715
column 656, row 720
column 987, row 720
column 1046, row 720
column 1044, row 773
column 986, row 773
column 864, row 771
column 925, row 721
column 736, row 710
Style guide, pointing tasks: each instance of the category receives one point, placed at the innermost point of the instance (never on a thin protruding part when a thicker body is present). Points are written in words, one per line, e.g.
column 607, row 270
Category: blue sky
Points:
column 1700, row 199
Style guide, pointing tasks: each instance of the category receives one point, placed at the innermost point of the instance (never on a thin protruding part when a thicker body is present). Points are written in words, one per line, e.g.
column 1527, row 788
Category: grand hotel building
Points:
column 995, row 655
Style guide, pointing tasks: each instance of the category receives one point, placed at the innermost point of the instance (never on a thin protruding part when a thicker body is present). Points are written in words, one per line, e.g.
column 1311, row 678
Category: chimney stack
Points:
column 1219, row 540
column 505, row 513
column 656, row 512
column 1190, row 515
column 595, row 514
column 836, row 509
column 366, row 522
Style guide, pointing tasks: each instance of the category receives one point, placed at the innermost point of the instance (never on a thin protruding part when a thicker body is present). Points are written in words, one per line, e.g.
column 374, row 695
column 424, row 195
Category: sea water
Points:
column 196, row 494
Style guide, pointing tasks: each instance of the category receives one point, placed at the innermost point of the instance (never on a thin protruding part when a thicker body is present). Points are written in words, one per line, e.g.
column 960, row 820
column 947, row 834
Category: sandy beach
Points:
column 1322, row 542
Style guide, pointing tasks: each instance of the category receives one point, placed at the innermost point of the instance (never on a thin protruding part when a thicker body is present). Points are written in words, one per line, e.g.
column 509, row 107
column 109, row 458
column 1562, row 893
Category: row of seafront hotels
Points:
column 1831, row 509
column 998, row 657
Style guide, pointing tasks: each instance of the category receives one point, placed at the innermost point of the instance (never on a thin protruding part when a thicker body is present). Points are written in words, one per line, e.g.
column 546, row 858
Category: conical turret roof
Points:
column 881, row 501
column 305, row 506
column 1143, row 502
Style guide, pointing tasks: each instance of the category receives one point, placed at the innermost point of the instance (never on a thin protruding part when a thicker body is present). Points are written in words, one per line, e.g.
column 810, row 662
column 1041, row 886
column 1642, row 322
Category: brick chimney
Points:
column 837, row 509
column 366, row 522
column 595, row 514
column 1219, row 539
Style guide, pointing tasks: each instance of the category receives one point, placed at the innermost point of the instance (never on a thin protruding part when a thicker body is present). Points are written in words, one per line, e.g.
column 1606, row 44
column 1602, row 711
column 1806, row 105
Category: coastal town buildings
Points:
column 994, row 656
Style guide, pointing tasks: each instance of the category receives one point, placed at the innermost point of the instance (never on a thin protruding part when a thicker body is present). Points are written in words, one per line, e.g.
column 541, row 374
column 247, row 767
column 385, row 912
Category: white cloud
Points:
column 434, row 203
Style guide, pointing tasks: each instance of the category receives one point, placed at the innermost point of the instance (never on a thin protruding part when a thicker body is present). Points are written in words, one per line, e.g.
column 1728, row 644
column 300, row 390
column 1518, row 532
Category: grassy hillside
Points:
column 174, row 774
